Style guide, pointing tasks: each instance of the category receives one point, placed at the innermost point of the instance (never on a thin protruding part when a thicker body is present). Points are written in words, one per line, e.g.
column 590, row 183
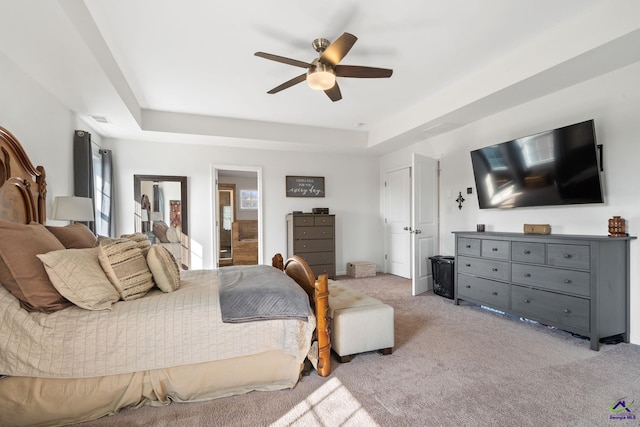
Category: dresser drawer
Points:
column 572, row 256
column 499, row 270
column 468, row 246
column 324, row 220
column 559, row 310
column 496, row 249
column 317, row 245
column 313, row 232
column 495, row 294
column 317, row 258
column 528, row 252
column 555, row 279
column 301, row 220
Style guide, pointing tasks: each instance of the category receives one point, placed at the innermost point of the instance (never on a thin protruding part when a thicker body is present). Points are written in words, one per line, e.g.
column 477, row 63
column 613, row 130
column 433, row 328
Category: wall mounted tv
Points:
column 556, row 167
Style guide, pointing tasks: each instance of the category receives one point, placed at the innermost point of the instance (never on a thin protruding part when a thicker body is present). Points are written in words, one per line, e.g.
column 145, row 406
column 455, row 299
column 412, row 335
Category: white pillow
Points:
column 164, row 268
column 78, row 276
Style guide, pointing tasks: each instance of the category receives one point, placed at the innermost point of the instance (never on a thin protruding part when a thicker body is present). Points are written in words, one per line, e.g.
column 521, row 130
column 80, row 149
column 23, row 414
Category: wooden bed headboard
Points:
column 23, row 187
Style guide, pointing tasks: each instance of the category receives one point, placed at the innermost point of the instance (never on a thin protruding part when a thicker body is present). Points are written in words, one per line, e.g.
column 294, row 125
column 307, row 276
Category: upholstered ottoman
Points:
column 359, row 323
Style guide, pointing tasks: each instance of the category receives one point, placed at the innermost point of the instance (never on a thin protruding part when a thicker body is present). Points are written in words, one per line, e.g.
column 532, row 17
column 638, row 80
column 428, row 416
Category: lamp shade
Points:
column 71, row 208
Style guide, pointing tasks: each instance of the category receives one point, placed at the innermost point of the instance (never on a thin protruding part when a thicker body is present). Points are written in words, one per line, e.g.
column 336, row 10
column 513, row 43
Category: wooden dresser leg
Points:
column 386, row 351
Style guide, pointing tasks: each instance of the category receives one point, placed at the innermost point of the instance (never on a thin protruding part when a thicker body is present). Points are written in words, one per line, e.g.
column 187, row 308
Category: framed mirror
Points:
column 161, row 212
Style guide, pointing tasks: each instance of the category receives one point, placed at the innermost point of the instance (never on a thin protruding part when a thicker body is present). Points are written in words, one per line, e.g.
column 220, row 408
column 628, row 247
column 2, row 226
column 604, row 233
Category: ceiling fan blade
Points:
column 362, row 72
column 338, row 49
column 288, row 84
column 284, row 60
column 334, row 93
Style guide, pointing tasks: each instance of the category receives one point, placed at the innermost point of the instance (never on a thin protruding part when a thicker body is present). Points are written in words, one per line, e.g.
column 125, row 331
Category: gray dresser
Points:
column 312, row 237
column 576, row 283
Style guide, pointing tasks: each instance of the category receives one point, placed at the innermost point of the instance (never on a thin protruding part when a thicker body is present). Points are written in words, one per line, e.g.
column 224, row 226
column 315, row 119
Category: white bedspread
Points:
column 157, row 331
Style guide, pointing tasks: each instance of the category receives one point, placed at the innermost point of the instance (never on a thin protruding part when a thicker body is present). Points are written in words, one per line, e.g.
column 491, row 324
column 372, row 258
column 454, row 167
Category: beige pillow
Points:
column 164, row 268
column 22, row 273
column 74, row 236
column 173, row 235
column 78, row 276
column 126, row 268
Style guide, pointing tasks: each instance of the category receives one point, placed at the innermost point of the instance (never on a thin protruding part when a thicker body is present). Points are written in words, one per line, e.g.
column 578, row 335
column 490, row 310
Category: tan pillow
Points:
column 126, row 268
column 74, row 236
column 22, row 273
column 160, row 230
column 141, row 240
column 78, row 276
column 164, row 268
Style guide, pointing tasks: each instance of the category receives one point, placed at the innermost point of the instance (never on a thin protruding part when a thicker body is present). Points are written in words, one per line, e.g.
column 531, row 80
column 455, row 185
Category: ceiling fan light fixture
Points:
column 321, row 77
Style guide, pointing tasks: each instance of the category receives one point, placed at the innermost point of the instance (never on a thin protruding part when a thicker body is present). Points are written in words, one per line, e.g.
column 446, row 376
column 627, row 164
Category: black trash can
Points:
column 442, row 268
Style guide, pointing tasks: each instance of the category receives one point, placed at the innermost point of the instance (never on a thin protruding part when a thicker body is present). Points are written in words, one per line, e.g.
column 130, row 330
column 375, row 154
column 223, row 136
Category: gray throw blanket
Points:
column 260, row 292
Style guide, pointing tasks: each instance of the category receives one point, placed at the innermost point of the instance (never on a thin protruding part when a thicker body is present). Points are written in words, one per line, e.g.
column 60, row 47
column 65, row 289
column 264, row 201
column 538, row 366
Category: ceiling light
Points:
column 321, row 77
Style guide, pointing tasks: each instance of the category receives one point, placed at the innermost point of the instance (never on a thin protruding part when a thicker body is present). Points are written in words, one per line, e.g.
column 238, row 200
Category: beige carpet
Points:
column 451, row 366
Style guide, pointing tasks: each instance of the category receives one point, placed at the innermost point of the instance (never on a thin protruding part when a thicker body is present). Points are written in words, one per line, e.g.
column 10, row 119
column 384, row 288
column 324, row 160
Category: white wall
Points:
column 613, row 101
column 43, row 126
column 242, row 183
column 350, row 186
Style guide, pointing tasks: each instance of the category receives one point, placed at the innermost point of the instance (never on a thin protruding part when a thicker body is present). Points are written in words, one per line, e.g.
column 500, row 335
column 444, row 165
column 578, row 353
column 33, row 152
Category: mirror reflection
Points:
column 161, row 213
column 226, row 216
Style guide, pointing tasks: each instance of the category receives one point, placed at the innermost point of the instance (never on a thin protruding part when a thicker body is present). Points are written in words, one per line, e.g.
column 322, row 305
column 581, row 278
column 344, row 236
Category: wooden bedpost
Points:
column 277, row 261
column 322, row 327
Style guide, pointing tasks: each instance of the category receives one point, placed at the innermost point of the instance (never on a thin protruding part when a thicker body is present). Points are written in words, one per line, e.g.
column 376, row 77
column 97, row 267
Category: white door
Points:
column 397, row 222
column 424, row 226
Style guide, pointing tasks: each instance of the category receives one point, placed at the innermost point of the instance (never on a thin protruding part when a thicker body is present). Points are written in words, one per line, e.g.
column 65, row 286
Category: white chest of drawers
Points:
column 576, row 283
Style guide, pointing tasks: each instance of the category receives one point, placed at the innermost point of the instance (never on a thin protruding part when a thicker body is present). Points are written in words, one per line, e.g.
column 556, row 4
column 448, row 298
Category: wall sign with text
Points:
column 305, row 186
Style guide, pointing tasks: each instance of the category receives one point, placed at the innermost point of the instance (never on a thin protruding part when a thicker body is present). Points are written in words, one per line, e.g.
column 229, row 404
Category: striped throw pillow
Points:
column 126, row 268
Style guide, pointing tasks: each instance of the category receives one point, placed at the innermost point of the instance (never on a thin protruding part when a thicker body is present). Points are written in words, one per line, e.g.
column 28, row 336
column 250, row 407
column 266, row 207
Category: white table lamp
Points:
column 71, row 208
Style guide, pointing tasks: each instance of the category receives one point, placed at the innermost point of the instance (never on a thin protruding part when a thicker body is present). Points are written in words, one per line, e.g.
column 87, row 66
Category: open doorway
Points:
column 238, row 211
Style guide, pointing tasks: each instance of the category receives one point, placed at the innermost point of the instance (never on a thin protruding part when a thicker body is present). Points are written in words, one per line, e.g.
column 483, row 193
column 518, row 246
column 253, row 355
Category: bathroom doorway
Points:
column 238, row 210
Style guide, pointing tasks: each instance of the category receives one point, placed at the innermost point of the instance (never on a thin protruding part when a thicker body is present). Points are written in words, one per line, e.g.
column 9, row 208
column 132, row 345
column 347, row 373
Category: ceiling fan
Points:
column 322, row 72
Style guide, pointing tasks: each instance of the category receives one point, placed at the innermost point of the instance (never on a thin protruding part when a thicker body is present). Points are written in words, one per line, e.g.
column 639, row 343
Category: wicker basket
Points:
column 361, row 269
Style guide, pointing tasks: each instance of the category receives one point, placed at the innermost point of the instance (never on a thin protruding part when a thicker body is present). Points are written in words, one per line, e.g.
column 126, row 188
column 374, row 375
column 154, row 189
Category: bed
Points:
column 76, row 364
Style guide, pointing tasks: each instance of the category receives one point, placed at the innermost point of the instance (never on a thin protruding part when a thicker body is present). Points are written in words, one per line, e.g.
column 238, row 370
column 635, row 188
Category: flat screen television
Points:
column 556, row 167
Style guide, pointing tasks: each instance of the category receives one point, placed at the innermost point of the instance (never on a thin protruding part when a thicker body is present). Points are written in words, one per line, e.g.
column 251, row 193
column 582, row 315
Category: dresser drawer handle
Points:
column 468, row 286
column 467, row 265
column 527, row 252
column 527, row 274
column 494, row 249
column 567, row 256
column 568, row 281
column 494, row 293
column 567, row 311
column 494, row 269
column 526, row 301
column 468, row 246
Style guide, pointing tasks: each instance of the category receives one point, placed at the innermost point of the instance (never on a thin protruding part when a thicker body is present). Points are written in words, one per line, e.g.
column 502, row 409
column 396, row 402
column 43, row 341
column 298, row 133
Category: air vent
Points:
column 101, row 119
